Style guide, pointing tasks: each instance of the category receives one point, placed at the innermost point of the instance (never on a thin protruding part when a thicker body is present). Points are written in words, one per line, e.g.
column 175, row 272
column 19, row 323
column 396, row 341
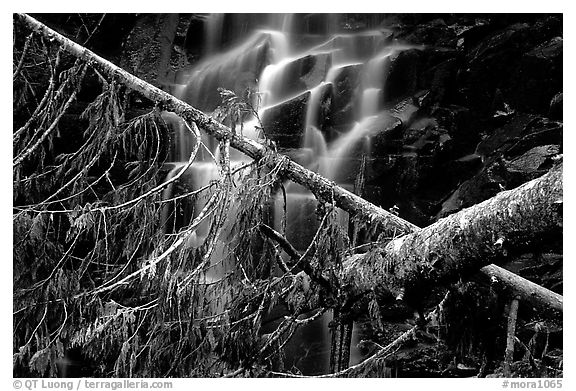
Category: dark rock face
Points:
column 434, row 32
column 148, row 49
column 500, row 139
column 515, row 59
column 304, row 73
column 534, row 162
column 514, row 154
column 488, row 97
column 194, row 38
column 284, row 123
column 403, row 75
column 538, row 77
column 314, row 69
column 439, row 76
column 556, row 107
column 344, row 89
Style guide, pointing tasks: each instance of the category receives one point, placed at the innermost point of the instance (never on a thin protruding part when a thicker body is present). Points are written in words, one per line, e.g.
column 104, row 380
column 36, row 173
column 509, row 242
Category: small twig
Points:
column 90, row 34
column 315, row 238
column 37, row 326
column 24, row 52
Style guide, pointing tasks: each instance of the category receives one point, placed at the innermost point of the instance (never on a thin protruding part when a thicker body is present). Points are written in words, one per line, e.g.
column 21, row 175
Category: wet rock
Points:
column 382, row 141
column 490, row 64
column 534, row 162
column 556, row 107
column 510, row 38
column 499, row 175
column 195, row 37
column 522, row 133
column 148, row 48
column 505, row 136
column 462, row 127
column 490, row 181
column 401, row 177
column 405, row 110
column 315, row 68
column 519, row 151
column 461, row 169
column 434, row 32
column 425, row 137
column 540, row 131
column 284, row 123
column 402, row 79
column 301, row 74
column 440, row 80
column 538, row 78
column 418, row 130
column 473, row 35
column 344, row 86
column 505, row 59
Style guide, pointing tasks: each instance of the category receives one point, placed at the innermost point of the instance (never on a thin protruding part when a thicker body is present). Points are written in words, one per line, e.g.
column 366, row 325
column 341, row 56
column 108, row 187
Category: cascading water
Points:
column 341, row 77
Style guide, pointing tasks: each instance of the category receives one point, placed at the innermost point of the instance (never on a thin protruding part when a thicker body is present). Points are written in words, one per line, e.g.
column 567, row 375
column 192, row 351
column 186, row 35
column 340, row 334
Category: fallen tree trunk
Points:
column 493, row 231
column 400, row 268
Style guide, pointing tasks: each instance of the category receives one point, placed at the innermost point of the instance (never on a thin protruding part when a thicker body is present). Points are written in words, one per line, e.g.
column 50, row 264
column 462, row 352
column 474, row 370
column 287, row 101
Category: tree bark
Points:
column 440, row 253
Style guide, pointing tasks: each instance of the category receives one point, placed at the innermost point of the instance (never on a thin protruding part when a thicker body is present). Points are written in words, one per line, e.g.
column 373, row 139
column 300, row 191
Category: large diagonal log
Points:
column 362, row 272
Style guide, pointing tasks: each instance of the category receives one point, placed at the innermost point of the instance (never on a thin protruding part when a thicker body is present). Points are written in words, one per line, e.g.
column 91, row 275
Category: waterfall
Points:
column 340, row 75
column 213, row 29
